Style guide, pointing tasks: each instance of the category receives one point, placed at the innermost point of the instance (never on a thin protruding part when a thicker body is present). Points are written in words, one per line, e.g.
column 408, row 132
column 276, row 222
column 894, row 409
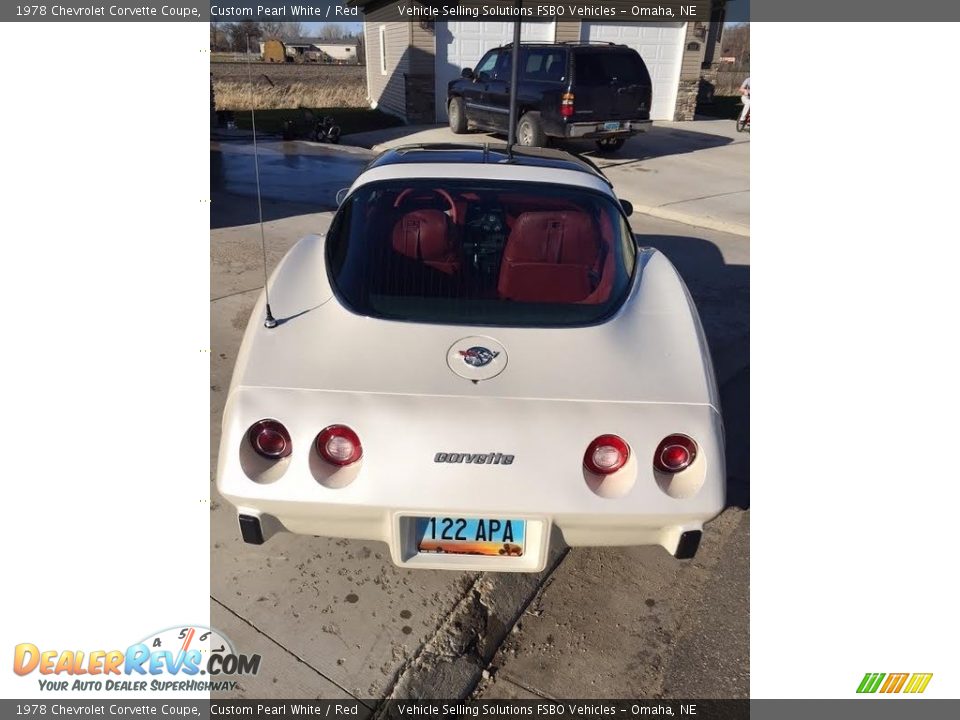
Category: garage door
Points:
column 462, row 44
column 661, row 47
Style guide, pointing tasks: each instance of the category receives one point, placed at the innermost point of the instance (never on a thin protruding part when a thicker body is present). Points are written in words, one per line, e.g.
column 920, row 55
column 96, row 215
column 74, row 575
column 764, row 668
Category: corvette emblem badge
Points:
column 478, row 356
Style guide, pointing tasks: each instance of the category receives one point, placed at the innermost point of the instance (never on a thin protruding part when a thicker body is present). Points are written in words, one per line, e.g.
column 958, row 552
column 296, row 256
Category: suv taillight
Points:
column 566, row 105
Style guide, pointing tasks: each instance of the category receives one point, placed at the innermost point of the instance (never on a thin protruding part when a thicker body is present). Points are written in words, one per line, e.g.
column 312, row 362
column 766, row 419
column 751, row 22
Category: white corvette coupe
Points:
column 476, row 356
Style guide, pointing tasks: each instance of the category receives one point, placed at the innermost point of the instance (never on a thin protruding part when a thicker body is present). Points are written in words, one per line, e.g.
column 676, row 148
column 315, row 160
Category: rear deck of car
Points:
column 486, row 154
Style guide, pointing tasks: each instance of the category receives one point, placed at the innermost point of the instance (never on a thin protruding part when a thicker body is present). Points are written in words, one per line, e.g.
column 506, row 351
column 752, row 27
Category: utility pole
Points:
column 514, row 76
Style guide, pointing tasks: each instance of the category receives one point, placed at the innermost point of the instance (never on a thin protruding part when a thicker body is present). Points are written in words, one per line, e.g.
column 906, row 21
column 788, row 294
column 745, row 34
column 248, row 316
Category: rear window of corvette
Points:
column 487, row 253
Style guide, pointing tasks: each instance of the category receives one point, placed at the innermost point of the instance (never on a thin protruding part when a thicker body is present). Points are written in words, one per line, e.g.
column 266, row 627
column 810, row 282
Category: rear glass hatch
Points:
column 610, row 84
column 481, row 252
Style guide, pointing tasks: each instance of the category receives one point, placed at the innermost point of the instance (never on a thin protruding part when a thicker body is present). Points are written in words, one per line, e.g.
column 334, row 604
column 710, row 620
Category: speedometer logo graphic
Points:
column 181, row 639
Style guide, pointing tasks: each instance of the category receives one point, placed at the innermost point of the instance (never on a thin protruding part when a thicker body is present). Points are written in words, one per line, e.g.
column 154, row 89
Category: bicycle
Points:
column 743, row 123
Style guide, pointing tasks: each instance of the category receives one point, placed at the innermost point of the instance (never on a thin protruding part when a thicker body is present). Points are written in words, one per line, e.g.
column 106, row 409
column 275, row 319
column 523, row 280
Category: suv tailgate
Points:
column 610, row 84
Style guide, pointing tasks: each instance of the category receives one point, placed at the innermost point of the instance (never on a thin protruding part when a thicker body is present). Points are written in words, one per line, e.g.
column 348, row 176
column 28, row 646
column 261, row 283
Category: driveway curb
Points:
column 702, row 221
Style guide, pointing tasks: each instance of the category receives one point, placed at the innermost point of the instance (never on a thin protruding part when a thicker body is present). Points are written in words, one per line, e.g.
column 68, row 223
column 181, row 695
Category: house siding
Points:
column 694, row 47
column 568, row 31
column 423, row 42
column 387, row 92
column 421, row 70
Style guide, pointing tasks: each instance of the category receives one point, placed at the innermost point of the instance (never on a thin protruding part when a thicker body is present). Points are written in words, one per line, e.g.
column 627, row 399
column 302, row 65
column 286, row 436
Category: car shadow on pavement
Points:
column 228, row 210
column 658, row 142
column 721, row 292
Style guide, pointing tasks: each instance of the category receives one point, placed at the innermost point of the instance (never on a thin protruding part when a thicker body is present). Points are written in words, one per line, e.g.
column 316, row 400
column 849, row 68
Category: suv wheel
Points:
column 610, row 144
column 530, row 131
column 458, row 119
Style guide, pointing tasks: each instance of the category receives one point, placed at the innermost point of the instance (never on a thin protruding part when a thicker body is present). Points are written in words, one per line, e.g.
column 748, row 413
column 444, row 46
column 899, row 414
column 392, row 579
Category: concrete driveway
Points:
column 334, row 618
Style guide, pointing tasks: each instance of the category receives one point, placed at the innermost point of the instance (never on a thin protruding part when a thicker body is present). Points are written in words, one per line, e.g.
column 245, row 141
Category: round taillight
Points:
column 675, row 453
column 339, row 445
column 270, row 439
column 606, row 455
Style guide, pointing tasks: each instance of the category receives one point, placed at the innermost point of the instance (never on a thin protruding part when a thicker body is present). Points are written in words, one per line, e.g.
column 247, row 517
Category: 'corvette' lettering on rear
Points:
column 474, row 459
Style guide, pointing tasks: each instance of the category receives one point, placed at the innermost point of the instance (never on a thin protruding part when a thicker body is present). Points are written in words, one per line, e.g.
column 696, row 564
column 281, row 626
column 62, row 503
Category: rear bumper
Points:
column 546, row 485
column 596, row 130
column 679, row 534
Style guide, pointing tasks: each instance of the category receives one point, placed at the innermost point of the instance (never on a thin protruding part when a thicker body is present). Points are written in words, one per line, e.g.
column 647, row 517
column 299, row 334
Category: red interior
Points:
column 427, row 236
column 556, row 250
column 549, row 257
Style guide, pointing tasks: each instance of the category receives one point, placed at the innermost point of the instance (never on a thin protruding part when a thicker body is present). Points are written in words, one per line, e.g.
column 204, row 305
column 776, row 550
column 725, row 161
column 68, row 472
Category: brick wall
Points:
column 420, row 91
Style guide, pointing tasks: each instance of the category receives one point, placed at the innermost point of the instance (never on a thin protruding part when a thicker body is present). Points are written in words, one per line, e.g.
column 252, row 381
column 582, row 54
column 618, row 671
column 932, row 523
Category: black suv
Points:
column 567, row 90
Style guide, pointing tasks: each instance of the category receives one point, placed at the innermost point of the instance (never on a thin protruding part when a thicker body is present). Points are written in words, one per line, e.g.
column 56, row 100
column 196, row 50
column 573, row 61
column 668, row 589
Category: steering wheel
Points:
column 436, row 191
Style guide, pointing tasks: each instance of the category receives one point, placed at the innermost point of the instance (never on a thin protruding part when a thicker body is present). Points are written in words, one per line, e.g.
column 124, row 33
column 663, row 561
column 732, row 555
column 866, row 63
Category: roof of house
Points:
column 343, row 41
column 317, row 41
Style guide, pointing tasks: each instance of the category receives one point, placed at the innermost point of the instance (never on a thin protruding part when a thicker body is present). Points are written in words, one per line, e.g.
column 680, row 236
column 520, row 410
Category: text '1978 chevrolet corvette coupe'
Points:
column 476, row 356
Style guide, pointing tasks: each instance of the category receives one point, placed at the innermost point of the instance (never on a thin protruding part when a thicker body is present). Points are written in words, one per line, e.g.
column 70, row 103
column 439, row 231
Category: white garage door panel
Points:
column 462, row 44
column 661, row 47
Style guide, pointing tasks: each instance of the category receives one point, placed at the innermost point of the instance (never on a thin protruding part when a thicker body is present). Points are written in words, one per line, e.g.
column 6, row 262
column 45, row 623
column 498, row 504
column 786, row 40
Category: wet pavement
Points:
column 303, row 173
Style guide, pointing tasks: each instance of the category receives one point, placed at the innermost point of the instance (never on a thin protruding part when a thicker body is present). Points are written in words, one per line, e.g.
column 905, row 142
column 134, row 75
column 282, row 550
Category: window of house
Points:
column 383, row 49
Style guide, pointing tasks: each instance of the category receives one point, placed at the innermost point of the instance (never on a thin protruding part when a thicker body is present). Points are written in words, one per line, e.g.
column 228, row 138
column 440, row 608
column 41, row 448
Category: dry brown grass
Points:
column 232, row 95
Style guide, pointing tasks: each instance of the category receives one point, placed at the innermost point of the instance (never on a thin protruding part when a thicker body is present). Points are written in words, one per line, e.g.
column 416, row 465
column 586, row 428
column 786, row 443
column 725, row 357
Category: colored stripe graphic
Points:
column 894, row 682
column 918, row 682
column 870, row 682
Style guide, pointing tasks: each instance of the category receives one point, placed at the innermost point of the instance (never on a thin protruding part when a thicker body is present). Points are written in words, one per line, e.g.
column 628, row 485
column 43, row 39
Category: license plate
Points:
column 611, row 126
column 471, row 536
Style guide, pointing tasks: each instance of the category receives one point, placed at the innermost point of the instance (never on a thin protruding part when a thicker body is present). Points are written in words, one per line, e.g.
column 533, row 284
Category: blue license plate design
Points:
column 611, row 126
column 471, row 536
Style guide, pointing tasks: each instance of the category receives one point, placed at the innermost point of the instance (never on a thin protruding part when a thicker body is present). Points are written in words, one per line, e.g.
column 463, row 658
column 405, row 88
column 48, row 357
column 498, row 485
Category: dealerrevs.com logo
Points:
column 183, row 658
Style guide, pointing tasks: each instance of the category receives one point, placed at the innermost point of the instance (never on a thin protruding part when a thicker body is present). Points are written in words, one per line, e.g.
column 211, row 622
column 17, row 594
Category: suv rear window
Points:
column 544, row 64
column 480, row 253
column 593, row 68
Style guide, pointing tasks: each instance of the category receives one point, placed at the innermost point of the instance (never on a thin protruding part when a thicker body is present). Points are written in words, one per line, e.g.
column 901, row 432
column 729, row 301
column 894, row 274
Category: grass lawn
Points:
column 350, row 120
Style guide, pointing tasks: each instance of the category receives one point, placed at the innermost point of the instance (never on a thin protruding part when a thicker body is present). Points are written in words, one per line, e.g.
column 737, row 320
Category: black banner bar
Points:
column 393, row 709
column 358, row 10
column 619, row 11
column 873, row 708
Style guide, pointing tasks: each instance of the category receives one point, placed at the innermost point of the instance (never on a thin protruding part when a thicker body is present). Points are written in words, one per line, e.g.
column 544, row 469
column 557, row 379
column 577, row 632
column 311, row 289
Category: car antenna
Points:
column 269, row 321
column 514, row 77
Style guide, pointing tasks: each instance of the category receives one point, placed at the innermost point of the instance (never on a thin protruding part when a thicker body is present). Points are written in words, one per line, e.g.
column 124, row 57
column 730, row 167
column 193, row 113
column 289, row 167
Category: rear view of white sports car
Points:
column 476, row 357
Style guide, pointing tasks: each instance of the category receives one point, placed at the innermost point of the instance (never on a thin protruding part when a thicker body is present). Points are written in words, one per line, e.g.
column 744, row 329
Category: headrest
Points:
column 422, row 235
column 564, row 237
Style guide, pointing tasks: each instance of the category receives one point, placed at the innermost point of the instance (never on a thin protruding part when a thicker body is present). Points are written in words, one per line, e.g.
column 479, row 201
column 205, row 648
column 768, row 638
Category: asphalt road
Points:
column 336, row 619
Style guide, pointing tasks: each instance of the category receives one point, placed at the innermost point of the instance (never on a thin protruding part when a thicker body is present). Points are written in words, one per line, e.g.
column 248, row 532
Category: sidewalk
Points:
column 697, row 173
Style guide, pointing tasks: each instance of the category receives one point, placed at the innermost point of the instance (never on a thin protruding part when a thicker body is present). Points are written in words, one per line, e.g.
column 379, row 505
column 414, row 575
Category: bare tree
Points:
column 219, row 37
column 333, row 31
column 281, row 30
column 736, row 43
column 361, row 49
column 244, row 36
